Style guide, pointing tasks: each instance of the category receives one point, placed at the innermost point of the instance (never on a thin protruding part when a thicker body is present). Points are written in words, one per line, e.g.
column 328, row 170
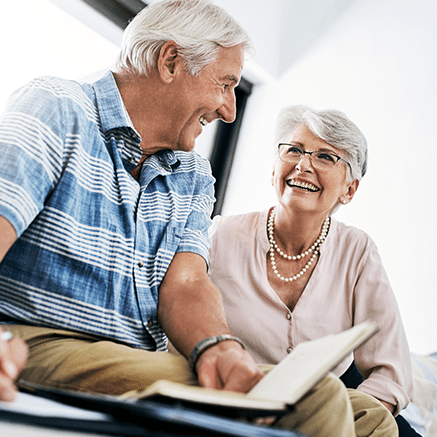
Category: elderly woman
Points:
column 292, row 273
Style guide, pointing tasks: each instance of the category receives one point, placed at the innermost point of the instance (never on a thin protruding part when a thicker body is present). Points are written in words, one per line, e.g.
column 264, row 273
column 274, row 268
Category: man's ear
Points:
column 169, row 60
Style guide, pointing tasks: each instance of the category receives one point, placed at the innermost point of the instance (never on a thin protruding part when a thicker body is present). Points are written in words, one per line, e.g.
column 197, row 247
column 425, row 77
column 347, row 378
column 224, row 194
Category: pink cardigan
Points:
column 348, row 285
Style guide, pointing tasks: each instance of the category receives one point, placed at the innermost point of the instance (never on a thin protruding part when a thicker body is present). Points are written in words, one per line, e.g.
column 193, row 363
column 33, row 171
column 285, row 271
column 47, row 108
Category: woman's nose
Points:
column 304, row 163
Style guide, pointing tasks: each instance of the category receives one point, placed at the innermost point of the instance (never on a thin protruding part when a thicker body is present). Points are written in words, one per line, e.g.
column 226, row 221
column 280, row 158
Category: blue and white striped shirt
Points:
column 93, row 243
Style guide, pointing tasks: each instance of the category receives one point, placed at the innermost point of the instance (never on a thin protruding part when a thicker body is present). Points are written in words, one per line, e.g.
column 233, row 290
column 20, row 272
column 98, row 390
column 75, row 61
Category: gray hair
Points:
column 331, row 126
column 198, row 27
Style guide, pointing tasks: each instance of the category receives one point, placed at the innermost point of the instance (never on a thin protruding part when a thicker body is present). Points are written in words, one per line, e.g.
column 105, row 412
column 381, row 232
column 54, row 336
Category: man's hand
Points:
column 13, row 356
column 228, row 366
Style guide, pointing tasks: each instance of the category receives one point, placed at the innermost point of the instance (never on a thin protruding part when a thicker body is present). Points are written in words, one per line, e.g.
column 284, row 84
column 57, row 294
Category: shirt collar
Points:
column 113, row 115
column 111, row 108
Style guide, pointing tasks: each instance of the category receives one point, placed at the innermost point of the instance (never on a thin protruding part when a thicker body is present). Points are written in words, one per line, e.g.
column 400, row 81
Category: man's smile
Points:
column 203, row 121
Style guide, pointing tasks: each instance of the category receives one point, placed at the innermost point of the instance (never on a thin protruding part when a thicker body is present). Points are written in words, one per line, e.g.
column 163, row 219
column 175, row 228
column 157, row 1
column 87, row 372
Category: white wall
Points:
column 40, row 38
column 377, row 63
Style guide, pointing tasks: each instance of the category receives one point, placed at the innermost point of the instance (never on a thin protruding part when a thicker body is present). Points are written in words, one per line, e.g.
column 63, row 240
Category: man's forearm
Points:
column 190, row 306
column 7, row 236
column 190, row 309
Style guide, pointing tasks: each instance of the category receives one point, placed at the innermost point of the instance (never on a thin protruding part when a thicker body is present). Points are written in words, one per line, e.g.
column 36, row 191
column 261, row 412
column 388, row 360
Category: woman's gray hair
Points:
column 198, row 27
column 331, row 126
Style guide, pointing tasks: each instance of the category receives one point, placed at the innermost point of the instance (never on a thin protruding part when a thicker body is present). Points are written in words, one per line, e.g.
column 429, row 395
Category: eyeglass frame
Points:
column 304, row 152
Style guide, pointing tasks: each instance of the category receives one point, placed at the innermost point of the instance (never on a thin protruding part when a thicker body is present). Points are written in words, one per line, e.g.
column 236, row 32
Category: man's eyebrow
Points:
column 232, row 78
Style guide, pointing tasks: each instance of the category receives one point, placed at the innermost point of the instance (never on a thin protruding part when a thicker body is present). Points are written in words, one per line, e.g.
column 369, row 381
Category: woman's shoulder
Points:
column 249, row 217
column 350, row 236
column 237, row 223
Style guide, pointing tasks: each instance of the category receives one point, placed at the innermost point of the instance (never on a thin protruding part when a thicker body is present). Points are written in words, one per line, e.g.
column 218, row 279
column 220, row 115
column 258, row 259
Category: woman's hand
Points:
column 390, row 407
column 13, row 356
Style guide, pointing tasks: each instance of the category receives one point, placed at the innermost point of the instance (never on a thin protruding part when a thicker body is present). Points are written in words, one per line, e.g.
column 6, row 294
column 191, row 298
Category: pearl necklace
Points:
column 314, row 249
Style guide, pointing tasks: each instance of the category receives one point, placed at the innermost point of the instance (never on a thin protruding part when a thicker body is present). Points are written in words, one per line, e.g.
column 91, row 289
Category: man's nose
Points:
column 228, row 111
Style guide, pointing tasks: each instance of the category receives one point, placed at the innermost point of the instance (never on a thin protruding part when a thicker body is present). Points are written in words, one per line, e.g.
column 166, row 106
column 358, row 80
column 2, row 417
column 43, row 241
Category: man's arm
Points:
column 7, row 237
column 190, row 309
column 13, row 352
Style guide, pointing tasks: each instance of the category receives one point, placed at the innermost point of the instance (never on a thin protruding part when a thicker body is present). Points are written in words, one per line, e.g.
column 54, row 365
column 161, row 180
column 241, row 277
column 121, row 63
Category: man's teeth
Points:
column 305, row 185
column 203, row 121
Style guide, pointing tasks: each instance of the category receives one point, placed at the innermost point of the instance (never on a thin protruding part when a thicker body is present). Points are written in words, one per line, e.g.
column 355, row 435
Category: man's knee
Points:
column 63, row 359
column 332, row 389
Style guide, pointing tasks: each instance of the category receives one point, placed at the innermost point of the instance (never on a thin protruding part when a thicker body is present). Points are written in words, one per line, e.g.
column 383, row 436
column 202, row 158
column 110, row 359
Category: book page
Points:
column 177, row 391
column 308, row 363
column 37, row 406
column 284, row 385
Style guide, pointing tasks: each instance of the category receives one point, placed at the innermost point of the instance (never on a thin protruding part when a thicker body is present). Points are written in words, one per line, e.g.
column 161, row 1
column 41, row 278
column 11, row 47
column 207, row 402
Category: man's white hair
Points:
column 198, row 27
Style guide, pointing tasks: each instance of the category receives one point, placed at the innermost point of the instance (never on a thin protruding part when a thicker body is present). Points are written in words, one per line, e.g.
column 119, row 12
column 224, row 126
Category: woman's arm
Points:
column 384, row 360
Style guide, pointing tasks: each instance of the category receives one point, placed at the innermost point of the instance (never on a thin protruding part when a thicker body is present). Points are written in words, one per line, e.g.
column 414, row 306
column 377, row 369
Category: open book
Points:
column 181, row 409
column 282, row 387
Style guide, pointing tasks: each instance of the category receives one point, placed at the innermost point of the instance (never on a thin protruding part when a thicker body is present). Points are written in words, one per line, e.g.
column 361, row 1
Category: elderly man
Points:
column 104, row 212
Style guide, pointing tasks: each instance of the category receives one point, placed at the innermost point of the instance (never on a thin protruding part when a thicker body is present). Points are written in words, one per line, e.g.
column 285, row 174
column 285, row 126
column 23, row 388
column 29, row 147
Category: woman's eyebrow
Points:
column 323, row 149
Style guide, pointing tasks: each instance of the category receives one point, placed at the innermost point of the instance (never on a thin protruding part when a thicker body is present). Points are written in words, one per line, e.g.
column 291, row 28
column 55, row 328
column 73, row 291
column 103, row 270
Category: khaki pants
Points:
column 68, row 360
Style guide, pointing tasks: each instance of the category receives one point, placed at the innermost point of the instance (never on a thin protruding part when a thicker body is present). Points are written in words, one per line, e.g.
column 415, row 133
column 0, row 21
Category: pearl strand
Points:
column 314, row 249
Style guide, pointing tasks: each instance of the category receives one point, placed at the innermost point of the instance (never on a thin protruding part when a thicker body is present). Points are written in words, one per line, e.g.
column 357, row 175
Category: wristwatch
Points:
column 207, row 343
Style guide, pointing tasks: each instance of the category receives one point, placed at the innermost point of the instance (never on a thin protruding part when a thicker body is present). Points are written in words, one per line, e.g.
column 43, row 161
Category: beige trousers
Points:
column 74, row 361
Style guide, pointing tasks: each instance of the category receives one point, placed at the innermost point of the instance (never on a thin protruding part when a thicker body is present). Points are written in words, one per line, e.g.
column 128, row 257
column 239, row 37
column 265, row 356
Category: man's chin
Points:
column 187, row 146
column 187, row 142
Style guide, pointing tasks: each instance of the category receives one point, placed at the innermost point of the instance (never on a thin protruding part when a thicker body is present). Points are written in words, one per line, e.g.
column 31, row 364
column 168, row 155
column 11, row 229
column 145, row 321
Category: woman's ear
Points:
column 350, row 192
column 272, row 180
column 168, row 61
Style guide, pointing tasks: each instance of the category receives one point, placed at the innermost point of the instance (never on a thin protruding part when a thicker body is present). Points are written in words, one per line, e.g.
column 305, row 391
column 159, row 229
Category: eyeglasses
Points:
column 319, row 159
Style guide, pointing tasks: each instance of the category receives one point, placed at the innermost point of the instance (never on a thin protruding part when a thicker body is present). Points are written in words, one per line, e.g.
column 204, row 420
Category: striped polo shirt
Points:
column 93, row 243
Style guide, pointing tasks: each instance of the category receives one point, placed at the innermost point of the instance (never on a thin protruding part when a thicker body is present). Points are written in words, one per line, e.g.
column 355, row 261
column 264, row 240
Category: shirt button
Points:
column 132, row 160
column 289, row 350
column 140, row 263
column 288, row 316
column 150, row 323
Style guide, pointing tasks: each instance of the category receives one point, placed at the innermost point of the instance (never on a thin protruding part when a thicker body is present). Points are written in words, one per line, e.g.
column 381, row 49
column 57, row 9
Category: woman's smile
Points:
column 294, row 183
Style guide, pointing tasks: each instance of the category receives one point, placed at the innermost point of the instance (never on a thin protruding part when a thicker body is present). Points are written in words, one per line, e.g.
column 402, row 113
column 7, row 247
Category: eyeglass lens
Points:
column 319, row 159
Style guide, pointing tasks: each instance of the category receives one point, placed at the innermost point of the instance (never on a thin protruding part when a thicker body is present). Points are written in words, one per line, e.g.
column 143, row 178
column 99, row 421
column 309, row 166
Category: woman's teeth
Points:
column 305, row 185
